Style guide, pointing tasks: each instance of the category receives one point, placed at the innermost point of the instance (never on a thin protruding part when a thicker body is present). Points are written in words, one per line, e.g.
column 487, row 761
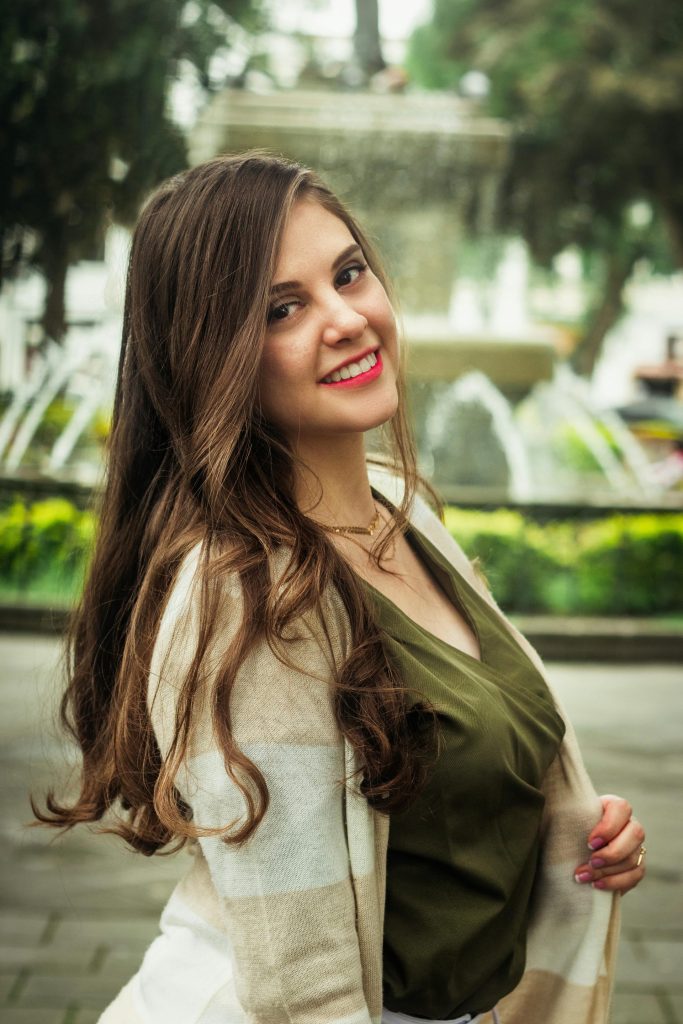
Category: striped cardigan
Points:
column 288, row 927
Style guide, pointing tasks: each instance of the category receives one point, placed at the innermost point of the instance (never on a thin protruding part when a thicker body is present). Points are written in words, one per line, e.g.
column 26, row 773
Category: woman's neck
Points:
column 334, row 488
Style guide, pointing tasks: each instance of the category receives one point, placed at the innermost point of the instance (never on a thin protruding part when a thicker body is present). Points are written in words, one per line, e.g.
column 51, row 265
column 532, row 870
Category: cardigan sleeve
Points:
column 286, row 895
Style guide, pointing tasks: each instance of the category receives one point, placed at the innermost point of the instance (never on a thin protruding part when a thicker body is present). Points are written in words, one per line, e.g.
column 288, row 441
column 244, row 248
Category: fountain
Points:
column 619, row 459
column 472, row 409
column 414, row 166
column 83, row 373
column 23, row 397
column 423, row 171
column 552, row 447
column 494, row 413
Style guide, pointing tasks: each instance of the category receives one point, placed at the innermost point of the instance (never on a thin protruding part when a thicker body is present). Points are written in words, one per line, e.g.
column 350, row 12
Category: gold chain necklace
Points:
column 366, row 531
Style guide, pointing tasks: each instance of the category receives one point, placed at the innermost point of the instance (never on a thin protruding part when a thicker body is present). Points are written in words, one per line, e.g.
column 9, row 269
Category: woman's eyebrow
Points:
column 284, row 286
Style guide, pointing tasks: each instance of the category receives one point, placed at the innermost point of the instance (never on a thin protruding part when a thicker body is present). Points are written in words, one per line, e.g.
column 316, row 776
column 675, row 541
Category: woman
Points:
column 278, row 654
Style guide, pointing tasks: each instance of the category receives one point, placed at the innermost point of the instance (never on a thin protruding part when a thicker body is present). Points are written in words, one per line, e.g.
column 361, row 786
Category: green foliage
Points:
column 594, row 91
column 101, row 426
column 84, row 125
column 425, row 61
column 50, row 537
column 636, row 564
column 514, row 566
column 621, row 565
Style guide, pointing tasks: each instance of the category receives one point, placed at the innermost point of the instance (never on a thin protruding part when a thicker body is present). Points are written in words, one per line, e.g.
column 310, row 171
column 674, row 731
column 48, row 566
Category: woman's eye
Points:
column 351, row 274
column 281, row 312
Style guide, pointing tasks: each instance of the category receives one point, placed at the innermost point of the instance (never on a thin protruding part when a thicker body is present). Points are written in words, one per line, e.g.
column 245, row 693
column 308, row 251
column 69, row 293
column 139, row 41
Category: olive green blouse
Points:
column 462, row 859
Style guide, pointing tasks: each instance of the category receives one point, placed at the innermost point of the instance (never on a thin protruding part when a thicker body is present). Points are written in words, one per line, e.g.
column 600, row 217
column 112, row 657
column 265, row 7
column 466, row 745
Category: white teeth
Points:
column 352, row 369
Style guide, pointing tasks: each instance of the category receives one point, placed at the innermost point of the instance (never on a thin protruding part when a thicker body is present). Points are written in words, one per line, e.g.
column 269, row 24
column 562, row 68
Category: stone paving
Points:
column 77, row 912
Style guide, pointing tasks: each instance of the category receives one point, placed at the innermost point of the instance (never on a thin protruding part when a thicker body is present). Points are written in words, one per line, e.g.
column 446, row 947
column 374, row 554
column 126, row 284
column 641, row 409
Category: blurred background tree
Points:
column 594, row 89
column 367, row 42
column 85, row 128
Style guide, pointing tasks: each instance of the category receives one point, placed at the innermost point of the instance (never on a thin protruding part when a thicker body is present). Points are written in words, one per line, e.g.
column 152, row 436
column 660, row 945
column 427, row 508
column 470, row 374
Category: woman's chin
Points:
column 373, row 418
column 387, row 413
column 380, row 421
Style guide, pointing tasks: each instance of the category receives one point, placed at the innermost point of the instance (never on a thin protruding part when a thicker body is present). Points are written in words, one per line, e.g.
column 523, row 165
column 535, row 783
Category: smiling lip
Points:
column 362, row 378
column 354, row 359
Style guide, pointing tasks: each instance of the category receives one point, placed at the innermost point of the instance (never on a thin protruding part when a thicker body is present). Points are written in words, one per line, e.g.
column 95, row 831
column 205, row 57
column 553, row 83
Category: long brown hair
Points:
column 191, row 459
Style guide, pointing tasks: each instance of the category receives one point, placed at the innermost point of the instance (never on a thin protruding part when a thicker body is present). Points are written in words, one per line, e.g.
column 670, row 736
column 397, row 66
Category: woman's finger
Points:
column 608, row 863
column 626, row 844
column 616, row 813
column 615, row 869
column 622, row 882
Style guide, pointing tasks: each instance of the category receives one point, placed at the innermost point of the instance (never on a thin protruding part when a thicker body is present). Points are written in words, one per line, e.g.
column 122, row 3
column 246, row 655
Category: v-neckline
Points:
column 427, row 557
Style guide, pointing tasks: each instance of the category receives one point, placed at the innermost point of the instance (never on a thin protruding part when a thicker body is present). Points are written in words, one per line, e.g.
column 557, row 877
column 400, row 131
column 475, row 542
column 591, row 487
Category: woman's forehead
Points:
column 311, row 233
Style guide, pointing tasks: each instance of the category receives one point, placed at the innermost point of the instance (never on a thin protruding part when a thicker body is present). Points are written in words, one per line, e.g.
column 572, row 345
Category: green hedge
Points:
column 44, row 550
column 620, row 565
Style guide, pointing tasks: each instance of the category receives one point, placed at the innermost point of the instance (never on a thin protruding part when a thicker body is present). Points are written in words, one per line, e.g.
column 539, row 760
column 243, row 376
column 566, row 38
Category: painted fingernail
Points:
column 582, row 876
column 599, row 885
column 597, row 862
column 597, row 844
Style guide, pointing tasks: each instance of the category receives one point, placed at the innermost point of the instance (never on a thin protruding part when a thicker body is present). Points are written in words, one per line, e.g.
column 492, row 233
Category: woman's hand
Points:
column 618, row 861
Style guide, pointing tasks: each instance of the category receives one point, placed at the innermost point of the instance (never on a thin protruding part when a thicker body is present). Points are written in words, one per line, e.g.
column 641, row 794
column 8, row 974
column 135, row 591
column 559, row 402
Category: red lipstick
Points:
column 362, row 378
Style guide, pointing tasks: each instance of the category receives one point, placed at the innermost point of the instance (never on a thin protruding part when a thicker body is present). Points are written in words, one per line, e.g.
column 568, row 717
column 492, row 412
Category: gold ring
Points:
column 643, row 851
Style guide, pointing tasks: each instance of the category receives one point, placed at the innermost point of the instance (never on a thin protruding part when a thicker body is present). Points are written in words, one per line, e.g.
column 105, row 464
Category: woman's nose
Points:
column 342, row 321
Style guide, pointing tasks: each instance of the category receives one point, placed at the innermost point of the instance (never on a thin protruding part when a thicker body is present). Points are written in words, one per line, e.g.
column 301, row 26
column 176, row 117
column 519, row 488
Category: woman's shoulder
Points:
column 182, row 606
column 280, row 690
column 319, row 637
column 179, row 621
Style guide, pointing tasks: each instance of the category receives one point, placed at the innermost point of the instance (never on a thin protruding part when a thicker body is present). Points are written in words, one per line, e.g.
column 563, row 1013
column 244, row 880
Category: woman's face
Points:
column 330, row 357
